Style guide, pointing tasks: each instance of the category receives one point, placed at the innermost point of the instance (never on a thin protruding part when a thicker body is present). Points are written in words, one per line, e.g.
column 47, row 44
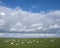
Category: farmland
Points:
column 29, row 42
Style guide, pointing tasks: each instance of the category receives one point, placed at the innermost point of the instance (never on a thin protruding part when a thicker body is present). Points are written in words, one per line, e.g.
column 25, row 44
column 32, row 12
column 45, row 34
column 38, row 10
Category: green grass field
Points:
column 29, row 42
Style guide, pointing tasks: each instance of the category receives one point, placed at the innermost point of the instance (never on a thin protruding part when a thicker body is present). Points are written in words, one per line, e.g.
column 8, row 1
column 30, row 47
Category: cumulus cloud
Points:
column 19, row 20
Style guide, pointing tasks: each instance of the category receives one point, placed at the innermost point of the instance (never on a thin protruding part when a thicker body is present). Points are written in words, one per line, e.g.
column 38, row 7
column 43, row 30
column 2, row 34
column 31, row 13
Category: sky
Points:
column 40, row 17
column 33, row 5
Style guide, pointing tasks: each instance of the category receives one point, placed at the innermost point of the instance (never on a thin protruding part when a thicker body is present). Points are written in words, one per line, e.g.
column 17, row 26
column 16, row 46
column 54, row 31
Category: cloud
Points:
column 2, row 14
column 2, row 22
column 54, row 26
column 18, row 24
column 17, row 35
column 12, row 29
column 37, row 24
column 1, row 34
column 19, row 20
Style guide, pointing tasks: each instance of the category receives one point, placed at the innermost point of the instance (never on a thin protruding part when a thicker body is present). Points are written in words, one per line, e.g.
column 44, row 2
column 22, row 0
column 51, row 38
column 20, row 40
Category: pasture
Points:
column 29, row 42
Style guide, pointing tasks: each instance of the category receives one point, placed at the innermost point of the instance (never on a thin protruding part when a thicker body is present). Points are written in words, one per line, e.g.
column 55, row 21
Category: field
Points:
column 29, row 42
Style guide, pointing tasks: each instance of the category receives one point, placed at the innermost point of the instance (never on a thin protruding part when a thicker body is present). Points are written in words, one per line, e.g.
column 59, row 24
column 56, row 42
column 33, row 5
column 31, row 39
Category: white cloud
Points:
column 39, row 28
column 20, row 20
column 36, row 25
column 44, row 29
column 12, row 29
column 18, row 24
column 58, row 20
column 54, row 26
column 2, row 22
column 27, row 35
column 2, row 14
column 50, row 34
column 29, row 30
column 1, row 34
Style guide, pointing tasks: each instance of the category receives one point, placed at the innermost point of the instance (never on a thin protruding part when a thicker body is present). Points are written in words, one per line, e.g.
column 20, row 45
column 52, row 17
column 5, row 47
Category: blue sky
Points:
column 41, row 16
column 33, row 5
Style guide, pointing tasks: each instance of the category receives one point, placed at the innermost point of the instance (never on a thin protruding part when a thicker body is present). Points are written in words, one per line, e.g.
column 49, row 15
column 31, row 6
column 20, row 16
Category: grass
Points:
column 29, row 42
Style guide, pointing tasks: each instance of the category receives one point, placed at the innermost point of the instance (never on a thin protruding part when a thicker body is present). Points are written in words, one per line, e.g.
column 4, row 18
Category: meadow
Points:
column 29, row 42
